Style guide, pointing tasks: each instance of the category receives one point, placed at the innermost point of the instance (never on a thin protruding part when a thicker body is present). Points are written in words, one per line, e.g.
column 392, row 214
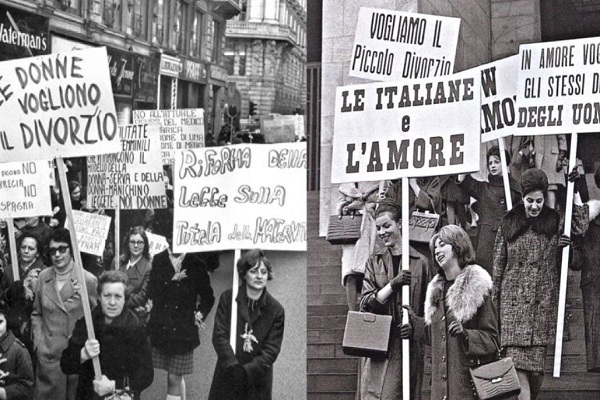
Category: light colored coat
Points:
column 53, row 319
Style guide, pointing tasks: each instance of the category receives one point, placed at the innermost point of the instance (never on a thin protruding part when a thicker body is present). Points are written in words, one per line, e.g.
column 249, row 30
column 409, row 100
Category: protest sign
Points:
column 59, row 105
column 242, row 196
column 177, row 129
column 392, row 45
column 157, row 243
column 558, row 87
column 134, row 176
column 390, row 130
column 498, row 96
column 92, row 231
column 25, row 189
column 277, row 129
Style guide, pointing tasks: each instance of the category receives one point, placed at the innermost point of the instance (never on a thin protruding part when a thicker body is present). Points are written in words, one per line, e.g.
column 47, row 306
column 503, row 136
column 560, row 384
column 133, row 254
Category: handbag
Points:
column 423, row 225
column 345, row 230
column 122, row 394
column 495, row 380
column 367, row 334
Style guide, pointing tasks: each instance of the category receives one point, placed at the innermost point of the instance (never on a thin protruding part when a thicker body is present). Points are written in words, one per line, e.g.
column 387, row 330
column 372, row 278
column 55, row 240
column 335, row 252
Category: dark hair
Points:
column 136, row 230
column 251, row 259
column 5, row 310
column 61, row 235
column 495, row 151
column 34, row 236
column 113, row 276
column 460, row 241
column 73, row 185
column 387, row 207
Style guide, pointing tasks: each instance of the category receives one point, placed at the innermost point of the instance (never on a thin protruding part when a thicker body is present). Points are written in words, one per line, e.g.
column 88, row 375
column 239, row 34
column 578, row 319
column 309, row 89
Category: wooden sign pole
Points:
column 406, row 288
column 85, row 301
column 564, row 268
column 12, row 242
column 504, row 161
column 234, row 293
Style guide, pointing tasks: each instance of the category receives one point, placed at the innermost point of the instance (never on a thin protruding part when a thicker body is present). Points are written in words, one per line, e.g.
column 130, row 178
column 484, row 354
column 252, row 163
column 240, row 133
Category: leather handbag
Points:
column 367, row 334
column 423, row 225
column 495, row 380
column 345, row 230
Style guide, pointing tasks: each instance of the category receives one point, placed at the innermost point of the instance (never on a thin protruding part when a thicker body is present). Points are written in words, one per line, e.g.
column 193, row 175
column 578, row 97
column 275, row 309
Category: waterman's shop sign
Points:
column 22, row 34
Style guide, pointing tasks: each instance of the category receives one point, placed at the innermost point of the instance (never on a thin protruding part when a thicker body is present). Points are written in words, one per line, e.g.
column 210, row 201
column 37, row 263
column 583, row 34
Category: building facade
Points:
column 161, row 53
column 265, row 54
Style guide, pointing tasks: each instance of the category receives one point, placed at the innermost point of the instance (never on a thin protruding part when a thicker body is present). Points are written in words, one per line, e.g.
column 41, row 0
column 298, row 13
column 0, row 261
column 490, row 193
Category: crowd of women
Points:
column 480, row 285
column 146, row 311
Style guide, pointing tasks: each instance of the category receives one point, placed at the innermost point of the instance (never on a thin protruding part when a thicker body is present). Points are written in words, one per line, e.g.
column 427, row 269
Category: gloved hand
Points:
column 104, row 386
column 406, row 331
column 403, row 278
column 560, row 162
column 564, row 241
column 90, row 350
column 574, row 176
column 456, row 328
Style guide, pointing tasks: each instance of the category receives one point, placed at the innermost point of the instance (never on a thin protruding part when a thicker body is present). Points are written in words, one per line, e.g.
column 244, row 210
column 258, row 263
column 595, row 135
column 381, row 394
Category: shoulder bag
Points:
column 495, row 380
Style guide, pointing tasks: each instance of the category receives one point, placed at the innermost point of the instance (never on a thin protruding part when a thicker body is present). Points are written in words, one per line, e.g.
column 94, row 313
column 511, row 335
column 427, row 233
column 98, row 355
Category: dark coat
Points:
column 172, row 325
column 526, row 277
column 124, row 353
column 139, row 277
column 468, row 300
column 381, row 379
column 267, row 326
column 491, row 208
column 19, row 384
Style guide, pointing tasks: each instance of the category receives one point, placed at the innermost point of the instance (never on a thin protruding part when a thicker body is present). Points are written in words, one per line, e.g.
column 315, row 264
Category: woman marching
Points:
column 247, row 373
column 526, row 279
column 460, row 323
column 121, row 344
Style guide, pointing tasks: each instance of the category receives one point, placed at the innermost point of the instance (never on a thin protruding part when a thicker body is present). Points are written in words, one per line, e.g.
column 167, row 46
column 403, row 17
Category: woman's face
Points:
column 495, row 166
column 256, row 277
column 444, row 253
column 388, row 229
column 76, row 193
column 60, row 254
column 29, row 250
column 112, row 300
column 136, row 245
column 534, row 202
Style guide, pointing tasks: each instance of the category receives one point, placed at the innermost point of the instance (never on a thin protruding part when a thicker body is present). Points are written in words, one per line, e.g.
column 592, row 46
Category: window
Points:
column 195, row 48
column 138, row 18
column 180, row 27
column 217, row 42
column 112, row 14
column 229, row 58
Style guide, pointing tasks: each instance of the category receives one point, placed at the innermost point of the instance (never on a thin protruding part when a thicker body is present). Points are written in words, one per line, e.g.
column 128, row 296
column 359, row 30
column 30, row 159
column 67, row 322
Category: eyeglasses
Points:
column 60, row 249
column 136, row 242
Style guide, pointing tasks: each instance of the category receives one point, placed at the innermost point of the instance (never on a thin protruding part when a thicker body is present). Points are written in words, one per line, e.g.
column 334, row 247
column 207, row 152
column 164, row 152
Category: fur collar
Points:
column 464, row 297
column 515, row 223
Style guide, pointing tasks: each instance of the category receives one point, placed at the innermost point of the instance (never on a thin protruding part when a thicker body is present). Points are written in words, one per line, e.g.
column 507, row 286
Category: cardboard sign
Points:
column 157, row 243
column 240, row 197
column 278, row 130
column 25, row 188
column 92, row 231
column 498, row 95
column 57, row 105
column 558, row 87
column 177, row 129
column 134, row 176
column 392, row 45
column 392, row 130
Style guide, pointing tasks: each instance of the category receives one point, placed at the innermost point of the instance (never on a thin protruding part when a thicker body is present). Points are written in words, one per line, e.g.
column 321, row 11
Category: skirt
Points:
column 530, row 358
column 176, row 364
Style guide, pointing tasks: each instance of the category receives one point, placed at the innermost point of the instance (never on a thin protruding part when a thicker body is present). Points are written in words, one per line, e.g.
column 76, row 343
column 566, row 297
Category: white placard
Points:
column 240, row 197
column 558, row 87
column 57, row 105
column 134, row 176
column 395, row 129
column 92, row 231
column 157, row 243
column 25, row 189
column 392, row 45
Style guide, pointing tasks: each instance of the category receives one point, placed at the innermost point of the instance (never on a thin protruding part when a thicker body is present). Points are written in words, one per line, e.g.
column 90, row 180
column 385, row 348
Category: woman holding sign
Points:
column 247, row 373
column 526, row 278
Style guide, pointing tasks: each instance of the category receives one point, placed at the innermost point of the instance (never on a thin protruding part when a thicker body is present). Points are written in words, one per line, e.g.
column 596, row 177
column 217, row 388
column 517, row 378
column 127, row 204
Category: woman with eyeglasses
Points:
column 21, row 293
column 57, row 306
column 247, row 373
column 135, row 263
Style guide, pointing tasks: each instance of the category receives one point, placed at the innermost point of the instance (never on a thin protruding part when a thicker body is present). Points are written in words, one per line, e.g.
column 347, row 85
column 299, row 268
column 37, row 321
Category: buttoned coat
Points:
column 267, row 326
column 467, row 300
column 52, row 320
column 19, row 383
column 380, row 379
column 139, row 277
column 526, row 277
column 491, row 208
column 172, row 325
